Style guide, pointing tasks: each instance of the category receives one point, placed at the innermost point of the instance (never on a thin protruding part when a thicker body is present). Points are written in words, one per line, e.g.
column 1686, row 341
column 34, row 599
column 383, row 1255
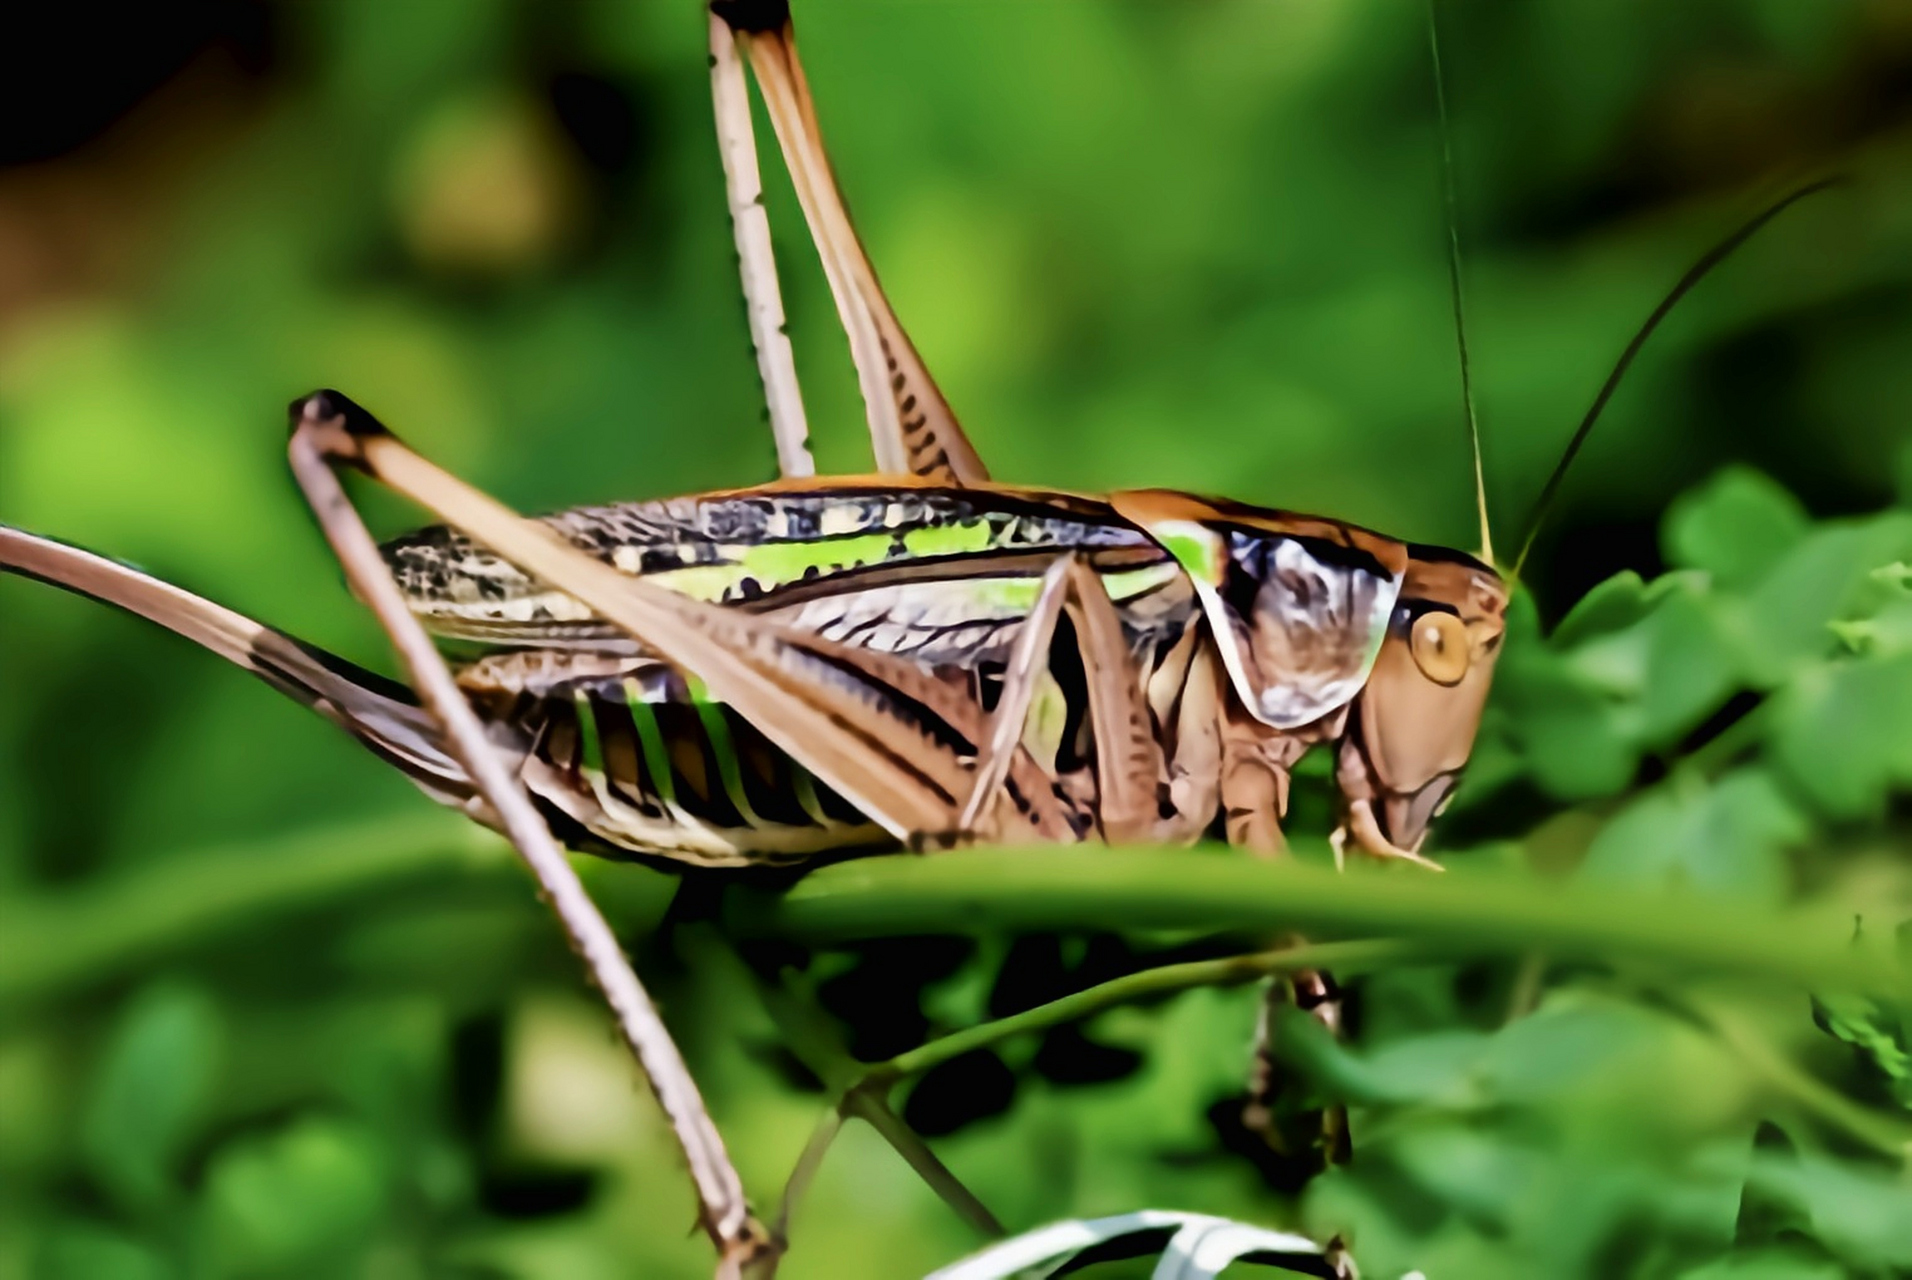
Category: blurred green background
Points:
column 264, row 1013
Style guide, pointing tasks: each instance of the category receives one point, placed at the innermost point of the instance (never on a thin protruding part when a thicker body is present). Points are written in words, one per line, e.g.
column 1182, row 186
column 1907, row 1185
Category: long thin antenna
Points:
column 1694, row 274
column 1454, row 281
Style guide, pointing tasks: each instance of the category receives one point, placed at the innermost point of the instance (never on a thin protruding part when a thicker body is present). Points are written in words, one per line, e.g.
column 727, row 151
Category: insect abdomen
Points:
column 647, row 764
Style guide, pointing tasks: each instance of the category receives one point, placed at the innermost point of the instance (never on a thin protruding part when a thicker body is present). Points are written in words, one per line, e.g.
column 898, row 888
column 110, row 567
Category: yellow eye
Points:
column 1439, row 643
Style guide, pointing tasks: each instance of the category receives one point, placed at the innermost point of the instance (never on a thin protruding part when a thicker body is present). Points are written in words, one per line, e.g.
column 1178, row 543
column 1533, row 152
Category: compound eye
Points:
column 1439, row 644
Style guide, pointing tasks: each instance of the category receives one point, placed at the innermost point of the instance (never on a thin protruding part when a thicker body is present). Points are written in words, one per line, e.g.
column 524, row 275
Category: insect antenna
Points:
column 1694, row 274
column 1455, row 289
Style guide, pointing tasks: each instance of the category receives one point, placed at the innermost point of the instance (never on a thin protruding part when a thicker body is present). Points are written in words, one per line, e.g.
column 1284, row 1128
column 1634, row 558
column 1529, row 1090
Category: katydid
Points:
column 813, row 667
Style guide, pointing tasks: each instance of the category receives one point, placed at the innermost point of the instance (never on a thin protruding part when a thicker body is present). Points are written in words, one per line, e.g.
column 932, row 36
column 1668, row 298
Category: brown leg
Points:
column 319, row 440
column 1129, row 767
column 763, row 299
column 911, row 425
column 1187, row 692
column 1255, row 777
column 1028, row 659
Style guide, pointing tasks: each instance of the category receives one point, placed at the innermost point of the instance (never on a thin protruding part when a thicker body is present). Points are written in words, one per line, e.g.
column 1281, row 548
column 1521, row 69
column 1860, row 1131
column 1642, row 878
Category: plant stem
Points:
column 58, row 940
column 869, row 1106
column 1884, row 1134
column 1343, row 957
column 986, row 890
column 828, row 1126
column 813, row 1038
column 865, row 1096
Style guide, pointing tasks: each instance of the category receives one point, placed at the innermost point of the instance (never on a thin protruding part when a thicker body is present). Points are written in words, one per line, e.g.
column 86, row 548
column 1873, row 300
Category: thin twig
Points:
column 869, row 1106
column 865, row 1095
column 812, row 1037
column 1168, row 979
column 805, row 1170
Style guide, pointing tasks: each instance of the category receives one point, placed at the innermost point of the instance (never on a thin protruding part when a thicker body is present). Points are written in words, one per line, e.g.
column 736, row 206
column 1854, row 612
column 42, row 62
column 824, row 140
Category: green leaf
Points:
column 1878, row 1033
column 1734, row 527
column 1691, row 668
column 89, row 1251
column 1438, row 1068
column 1565, row 1046
column 1840, row 733
column 1613, row 605
column 1885, row 633
column 149, row 1093
column 1859, row 1213
column 1728, row 838
column 1787, row 617
column 305, row 1196
column 1575, row 737
column 1768, row 1264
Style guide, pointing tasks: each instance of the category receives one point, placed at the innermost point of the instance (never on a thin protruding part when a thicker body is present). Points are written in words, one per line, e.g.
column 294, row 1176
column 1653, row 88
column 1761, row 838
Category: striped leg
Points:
column 320, row 440
column 911, row 426
column 372, row 709
column 763, row 299
column 1255, row 777
column 1027, row 661
column 1129, row 765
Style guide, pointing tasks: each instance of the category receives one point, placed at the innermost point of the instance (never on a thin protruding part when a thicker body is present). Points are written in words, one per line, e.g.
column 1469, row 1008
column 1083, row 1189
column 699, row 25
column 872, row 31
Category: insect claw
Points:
column 753, row 15
column 750, row 1244
column 325, row 407
column 940, row 841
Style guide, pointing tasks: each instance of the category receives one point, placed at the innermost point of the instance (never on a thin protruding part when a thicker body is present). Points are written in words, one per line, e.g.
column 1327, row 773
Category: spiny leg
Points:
column 372, row 709
column 1129, row 766
column 1028, row 659
column 320, row 440
column 1255, row 780
column 912, row 427
column 892, row 737
column 756, row 260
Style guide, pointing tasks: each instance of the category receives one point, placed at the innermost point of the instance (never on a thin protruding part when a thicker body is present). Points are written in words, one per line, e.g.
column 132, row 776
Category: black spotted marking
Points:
column 449, row 579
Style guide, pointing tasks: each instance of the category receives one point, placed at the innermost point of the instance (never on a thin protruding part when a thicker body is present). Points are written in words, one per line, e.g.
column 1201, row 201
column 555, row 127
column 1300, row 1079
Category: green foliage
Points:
column 152, row 1085
column 263, row 1015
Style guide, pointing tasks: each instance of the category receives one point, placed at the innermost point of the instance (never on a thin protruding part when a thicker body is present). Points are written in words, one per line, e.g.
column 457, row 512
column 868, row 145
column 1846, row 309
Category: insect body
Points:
column 643, row 759
column 1294, row 610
